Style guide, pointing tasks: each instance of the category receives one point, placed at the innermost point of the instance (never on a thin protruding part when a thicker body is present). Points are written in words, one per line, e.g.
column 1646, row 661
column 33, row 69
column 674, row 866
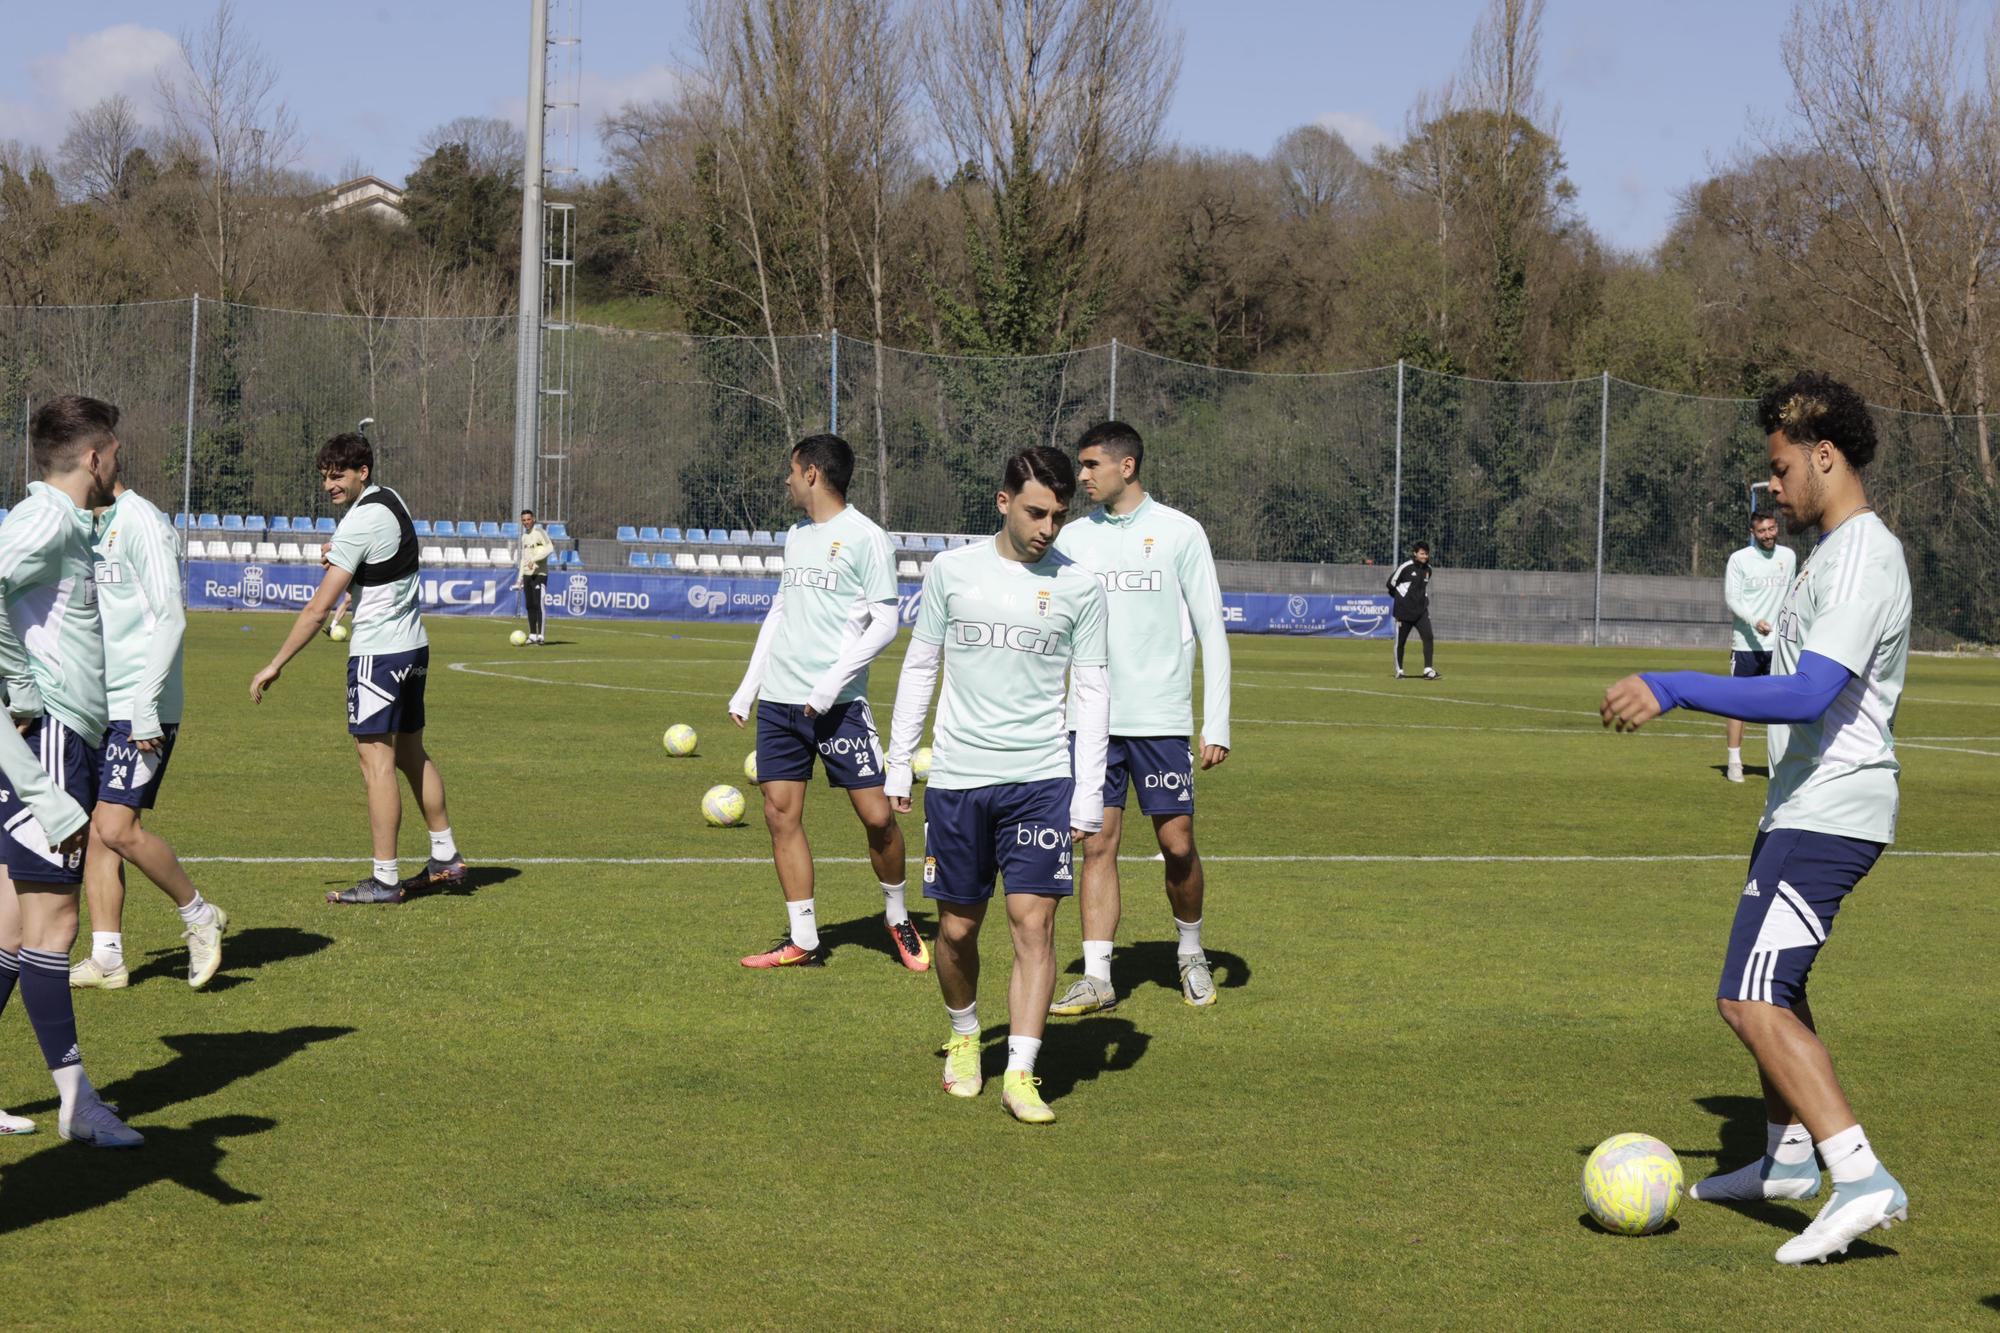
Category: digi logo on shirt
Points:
column 827, row 580
column 1019, row 638
column 1131, row 580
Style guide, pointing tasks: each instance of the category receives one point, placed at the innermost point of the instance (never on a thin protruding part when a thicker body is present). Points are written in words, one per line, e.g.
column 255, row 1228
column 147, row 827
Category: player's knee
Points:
column 780, row 817
column 1745, row 1017
column 115, row 828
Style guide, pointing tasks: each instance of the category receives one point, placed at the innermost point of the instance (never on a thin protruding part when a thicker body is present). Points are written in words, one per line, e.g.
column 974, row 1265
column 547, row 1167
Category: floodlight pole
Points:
column 833, row 387
column 187, row 446
column 1396, row 504
column 1114, row 380
column 528, row 339
column 1603, row 457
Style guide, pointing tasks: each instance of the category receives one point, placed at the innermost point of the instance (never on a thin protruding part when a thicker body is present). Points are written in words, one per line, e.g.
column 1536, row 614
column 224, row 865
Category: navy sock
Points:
column 10, row 972
column 45, row 993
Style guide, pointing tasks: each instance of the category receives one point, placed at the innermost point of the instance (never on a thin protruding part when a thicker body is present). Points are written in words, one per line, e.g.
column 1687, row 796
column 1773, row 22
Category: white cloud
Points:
column 1363, row 135
column 124, row 59
column 603, row 94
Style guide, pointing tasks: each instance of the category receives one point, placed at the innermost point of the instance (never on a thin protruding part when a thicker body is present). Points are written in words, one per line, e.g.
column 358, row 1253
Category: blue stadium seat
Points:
column 649, row 534
column 323, row 526
column 232, row 522
column 559, row 532
column 739, row 536
column 282, row 523
column 511, row 530
column 422, row 525
column 467, row 528
column 639, row 560
column 933, row 543
column 697, row 535
column 490, row 530
column 569, row 559
column 208, row 522
column 254, row 523
column 302, row 524
column 671, row 535
column 627, row 533
column 762, row 538
column 181, row 521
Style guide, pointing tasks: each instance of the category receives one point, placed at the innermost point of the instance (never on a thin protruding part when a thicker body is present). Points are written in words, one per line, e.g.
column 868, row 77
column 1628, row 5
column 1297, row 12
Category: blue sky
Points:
column 1649, row 95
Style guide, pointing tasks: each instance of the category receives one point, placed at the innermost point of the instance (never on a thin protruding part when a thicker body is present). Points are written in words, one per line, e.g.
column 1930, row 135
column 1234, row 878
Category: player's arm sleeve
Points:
column 1395, row 574
column 159, row 584
column 1090, row 720
column 1801, row 697
column 52, row 807
column 914, row 689
column 1203, row 592
column 349, row 548
column 760, row 658
column 24, row 556
column 870, row 629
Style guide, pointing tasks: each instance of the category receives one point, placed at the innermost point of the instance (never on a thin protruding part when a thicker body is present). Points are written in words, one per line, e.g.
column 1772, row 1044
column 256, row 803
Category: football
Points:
column 722, row 807
column 750, row 766
column 1632, row 1184
column 680, row 740
column 338, row 633
column 518, row 637
column 920, row 764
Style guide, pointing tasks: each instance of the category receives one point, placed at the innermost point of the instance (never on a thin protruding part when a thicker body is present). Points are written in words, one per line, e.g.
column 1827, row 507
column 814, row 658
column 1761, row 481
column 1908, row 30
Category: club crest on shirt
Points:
column 1042, row 598
column 1148, row 547
column 833, row 553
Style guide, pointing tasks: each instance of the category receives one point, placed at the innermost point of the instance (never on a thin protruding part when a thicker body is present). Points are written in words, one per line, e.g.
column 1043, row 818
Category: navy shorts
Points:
column 1161, row 767
column 843, row 737
column 1742, row 663
column 74, row 763
column 385, row 693
column 131, row 776
column 1797, row 882
column 1018, row 830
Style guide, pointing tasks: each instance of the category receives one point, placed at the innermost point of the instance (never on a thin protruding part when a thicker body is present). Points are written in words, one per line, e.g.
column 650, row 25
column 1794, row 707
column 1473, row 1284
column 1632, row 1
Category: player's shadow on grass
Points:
column 868, row 932
column 62, row 1180
column 204, row 1063
column 242, row 951
column 1073, row 1051
column 1158, row 962
column 1992, row 1303
column 1749, row 770
column 476, row 878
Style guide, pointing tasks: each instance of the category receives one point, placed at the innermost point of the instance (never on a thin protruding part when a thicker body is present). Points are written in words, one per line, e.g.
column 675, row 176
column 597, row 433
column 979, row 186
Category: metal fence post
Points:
column 1603, row 458
column 833, row 388
column 1114, row 380
column 1396, row 505
column 187, row 448
column 27, row 432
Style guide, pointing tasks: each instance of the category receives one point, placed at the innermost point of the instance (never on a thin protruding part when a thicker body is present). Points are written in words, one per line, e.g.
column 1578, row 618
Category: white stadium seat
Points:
column 241, row 551
column 266, row 551
column 907, row 569
column 499, row 556
column 732, row 563
column 454, row 555
column 685, row 562
column 774, row 564
column 431, row 555
column 708, row 564
column 197, row 550
column 290, row 553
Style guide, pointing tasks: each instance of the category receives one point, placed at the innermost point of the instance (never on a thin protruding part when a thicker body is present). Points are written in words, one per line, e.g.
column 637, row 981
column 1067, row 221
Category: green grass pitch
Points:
column 556, row 1100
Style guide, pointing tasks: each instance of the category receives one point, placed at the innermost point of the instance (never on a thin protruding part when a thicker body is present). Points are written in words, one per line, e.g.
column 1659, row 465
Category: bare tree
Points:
column 880, row 81
column 96, row 152
column 493, row 147
column 1321, row 175
column 221, row 107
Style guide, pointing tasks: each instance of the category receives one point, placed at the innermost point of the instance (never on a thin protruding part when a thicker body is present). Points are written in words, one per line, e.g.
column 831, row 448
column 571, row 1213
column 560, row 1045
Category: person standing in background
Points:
column 532, row 555
column 1411, row 587
column 1754, row 587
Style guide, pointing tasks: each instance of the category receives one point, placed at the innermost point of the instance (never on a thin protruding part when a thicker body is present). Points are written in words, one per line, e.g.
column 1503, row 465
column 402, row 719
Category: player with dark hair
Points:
column 1006, row 619
column 374, row 550
column 1753, row 586
column 52, row 663
column 531, row 557
column 1843, row 643
column 1162, row 596
column 834, row 613
column 1411, row 587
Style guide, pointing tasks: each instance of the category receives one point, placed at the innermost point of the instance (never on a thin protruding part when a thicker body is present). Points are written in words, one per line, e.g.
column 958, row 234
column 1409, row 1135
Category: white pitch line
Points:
column 1330, row 859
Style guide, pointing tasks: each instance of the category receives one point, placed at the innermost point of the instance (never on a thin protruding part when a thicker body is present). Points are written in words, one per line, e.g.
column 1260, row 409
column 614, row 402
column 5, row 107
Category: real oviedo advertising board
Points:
column 605, row 595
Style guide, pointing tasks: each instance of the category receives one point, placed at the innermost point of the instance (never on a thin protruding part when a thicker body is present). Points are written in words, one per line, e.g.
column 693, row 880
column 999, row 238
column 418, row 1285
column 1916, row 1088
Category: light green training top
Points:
column 145, row 618
column 388, row 617
column 1009, row 634
column 833, row 570
column 51, row 643
column 1753, row 586
column 1850, row 603
column 1160, row 586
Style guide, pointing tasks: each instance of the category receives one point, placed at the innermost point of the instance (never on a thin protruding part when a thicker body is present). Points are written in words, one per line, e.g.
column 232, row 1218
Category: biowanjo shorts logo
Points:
column 1042, row 836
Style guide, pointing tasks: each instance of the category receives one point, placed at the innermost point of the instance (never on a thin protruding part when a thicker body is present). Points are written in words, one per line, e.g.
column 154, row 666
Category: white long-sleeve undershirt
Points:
column 760, row 659
column 870, row 629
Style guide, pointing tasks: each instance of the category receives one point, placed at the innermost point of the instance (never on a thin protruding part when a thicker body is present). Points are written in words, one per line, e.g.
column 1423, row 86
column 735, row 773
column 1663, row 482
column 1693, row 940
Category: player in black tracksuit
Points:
column 1411, row 585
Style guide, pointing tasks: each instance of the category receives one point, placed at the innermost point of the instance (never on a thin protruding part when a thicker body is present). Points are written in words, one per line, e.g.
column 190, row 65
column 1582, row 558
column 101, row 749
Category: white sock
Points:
column 1097, row 960
column 1021, row 1053
column 443, row 848
column 1848, row 1156
column 1190, row 934
column 107, row 947
column 385, row 872
column 70, row 1085
column 1788, row 1145
column 1736, row 755
column 196, row 913
column 964, row 1022
column 805, row 927
column 892, row 904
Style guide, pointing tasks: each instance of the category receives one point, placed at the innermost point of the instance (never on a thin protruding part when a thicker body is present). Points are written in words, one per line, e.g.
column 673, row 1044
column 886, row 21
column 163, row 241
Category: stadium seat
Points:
column 255, row 523
column 430, row 555
column 907, row 569
column 639, row 560
column 281, row 524
column 454, row 555
column 732, row 563
column 697, row 535
column 684, row 563
column 511, row 530
column 649, row 534
column 241, row 550
column 762, row 538
column 708, row 564
column 232, row 522
column 180, row 520
column 291, row 553
column 489, row 529
column 208, row 523
column 467, row 528
column 422, row 525
column 323, row 526
column 300, row 523
column 500, row 557
column 559, row 532
column 197, row 550
column 739, row 536
column 934, row 544
column 264, row 551
column 670, row 534
column 628, row 533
